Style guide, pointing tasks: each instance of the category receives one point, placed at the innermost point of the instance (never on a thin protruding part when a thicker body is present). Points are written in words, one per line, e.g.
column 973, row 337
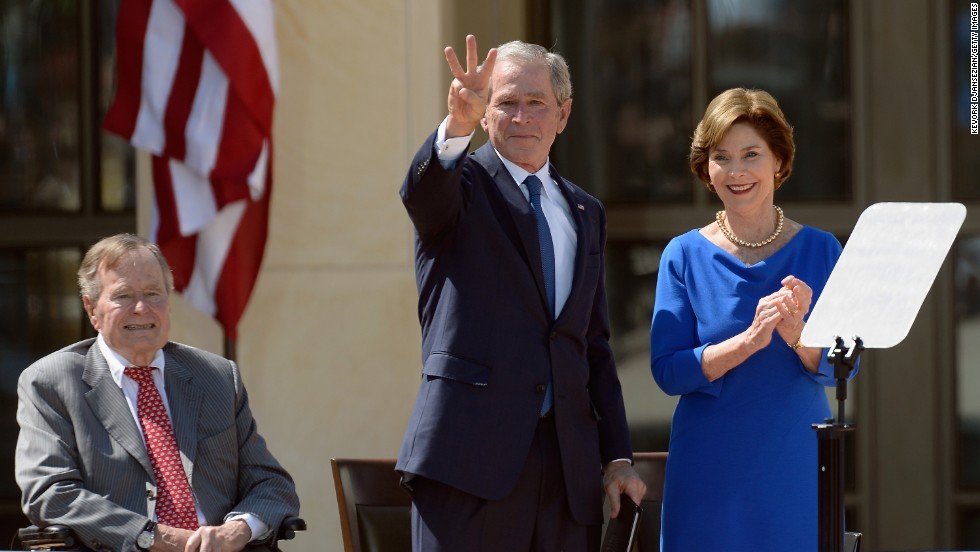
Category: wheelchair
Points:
column 60, row 537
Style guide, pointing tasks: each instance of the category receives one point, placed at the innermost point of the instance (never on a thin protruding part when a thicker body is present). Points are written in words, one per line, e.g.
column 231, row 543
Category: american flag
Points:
column 197, row 82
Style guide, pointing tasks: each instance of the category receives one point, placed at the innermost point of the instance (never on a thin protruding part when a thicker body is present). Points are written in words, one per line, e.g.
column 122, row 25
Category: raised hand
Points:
column 469, row 91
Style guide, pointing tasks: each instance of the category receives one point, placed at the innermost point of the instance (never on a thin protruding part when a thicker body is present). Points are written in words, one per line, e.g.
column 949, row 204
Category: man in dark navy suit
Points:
column 519, row 425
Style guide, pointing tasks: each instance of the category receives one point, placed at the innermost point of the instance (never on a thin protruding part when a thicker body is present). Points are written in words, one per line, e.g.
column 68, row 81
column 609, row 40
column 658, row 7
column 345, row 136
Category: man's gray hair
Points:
column 561, row 79
column 107, row 254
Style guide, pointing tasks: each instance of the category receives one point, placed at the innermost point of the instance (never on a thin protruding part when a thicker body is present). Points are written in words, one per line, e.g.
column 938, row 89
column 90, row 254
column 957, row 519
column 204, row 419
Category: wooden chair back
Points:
column 375, row 511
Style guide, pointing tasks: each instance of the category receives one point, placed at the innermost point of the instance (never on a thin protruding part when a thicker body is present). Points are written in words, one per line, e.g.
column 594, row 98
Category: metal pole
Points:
column 830, row 454
column 230, row 349
column 830, row 486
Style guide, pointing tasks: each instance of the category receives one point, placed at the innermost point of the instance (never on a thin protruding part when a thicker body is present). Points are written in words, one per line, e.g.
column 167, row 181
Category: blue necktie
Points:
column 547, row 261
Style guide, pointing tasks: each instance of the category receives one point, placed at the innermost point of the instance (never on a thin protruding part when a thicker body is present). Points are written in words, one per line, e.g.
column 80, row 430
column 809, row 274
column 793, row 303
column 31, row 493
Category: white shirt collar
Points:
column 519, row 174
column 117, row 363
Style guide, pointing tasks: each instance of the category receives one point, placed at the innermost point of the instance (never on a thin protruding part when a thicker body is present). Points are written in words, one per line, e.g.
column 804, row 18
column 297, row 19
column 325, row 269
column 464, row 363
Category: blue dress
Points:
column 742, row 469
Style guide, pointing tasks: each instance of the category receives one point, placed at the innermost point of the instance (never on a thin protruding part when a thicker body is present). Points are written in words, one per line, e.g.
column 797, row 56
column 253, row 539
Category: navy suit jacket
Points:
column 489, row 343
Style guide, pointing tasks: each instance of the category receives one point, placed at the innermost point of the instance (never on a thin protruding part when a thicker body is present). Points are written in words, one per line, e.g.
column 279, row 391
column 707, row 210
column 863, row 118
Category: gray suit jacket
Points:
column 81, row 462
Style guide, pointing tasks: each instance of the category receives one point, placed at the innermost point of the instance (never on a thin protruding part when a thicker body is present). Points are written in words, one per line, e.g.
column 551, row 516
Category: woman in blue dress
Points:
column 732, row 300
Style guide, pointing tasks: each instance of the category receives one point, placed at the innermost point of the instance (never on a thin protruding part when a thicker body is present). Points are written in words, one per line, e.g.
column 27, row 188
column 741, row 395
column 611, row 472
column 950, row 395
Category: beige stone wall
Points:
column 329, row 345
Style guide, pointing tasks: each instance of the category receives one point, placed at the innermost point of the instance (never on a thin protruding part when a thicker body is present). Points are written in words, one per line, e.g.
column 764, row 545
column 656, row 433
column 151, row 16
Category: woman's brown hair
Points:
column 742, row 105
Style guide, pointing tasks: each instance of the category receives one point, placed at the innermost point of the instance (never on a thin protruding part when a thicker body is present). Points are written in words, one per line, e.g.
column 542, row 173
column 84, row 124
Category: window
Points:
column 967, row 480
column 645, row 69
column 63, row 185
column 40, row 149
column 798, row 52
column 631, row 64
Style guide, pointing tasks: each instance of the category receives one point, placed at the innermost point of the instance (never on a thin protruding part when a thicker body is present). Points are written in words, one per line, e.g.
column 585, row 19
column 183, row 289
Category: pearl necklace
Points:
column 720, row 218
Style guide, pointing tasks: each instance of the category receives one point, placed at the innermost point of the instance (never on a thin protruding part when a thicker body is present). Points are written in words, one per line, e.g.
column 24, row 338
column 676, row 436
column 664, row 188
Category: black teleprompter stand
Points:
column 830, row 453
column 880, row 280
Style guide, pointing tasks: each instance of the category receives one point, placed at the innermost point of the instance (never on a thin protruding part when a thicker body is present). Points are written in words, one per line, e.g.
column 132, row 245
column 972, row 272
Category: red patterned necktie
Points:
column 175, row 502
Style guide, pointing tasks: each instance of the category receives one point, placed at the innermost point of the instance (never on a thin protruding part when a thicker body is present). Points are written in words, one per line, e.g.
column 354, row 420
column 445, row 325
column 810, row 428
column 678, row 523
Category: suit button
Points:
column 540, row 388
column 553, row 336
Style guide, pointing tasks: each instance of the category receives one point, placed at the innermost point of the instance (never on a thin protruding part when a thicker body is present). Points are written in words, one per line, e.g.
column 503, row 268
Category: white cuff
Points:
column 259, row 528
column 449, row 150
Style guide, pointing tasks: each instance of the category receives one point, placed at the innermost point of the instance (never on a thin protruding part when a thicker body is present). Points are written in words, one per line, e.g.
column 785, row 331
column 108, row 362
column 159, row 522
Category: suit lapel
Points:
column 185, row 408
column 106, row 400
column 520, row 213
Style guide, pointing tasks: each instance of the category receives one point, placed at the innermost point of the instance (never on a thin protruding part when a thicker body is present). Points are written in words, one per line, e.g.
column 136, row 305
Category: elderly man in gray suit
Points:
column 136, row 442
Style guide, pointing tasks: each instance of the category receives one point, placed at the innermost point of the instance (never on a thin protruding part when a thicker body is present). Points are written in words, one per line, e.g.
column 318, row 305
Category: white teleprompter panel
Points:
column 884, row 273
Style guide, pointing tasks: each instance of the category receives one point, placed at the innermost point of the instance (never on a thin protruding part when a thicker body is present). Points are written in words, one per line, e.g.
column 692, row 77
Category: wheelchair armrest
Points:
column 286, row 531
column 289, row 526
column 52, row 536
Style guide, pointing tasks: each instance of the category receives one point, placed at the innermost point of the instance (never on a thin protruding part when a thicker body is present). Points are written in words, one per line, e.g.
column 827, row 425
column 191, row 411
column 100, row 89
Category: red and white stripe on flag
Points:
column 197, row 81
